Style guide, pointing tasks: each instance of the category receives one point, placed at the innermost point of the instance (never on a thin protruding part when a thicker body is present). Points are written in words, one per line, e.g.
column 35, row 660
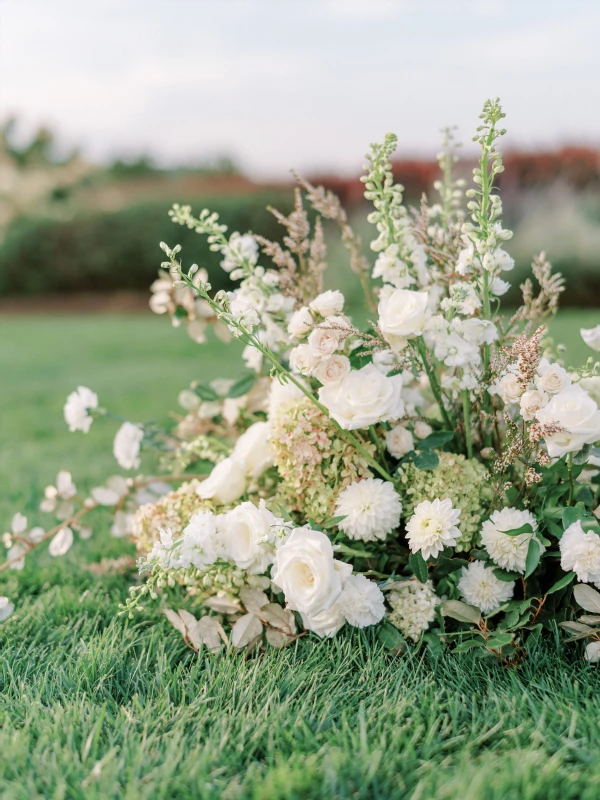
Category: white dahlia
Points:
column 433, row 527
column 371, row 509
column 509, row 552
column 361, row 602
column 580, row 553
column 480, row 587
column 413, row 607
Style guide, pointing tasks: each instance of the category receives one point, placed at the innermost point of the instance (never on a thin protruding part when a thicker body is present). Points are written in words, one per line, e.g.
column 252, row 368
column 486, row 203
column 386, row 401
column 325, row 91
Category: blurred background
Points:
column 112, row 111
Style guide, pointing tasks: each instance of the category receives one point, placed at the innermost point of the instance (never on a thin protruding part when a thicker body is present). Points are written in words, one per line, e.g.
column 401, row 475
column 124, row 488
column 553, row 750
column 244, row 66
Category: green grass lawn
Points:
column 95, row 706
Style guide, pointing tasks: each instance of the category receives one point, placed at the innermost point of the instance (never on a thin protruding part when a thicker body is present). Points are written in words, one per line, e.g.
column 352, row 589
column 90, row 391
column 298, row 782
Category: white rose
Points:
column 333, row 370
column 126, row 446
column 552, row 377
column 307, row 573
column 328, row 303
column 399, row 441
column 422, row 429
column 403, row 314
column 242, row 535
column 325, row 340
column 364, row 397
column 510, row 389
column 591, row 336
column 301, row 322
column 225, row 484
column 592, row 387
column 253, row 450
column 303, row 360
column 575, row 412
column 531, row 402
column 327, row 623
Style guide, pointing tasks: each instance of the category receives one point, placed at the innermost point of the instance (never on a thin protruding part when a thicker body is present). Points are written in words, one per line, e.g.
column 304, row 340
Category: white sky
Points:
column 296, row 83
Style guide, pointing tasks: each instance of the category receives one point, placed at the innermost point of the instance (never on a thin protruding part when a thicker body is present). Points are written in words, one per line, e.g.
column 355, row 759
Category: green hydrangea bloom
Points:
column 465, row 481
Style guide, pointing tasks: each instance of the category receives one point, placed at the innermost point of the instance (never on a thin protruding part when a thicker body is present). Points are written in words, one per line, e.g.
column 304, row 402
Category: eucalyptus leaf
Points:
column 461, row 611
column 560, row 584
column 435, row 440
column 587, row 598
column 206, row 392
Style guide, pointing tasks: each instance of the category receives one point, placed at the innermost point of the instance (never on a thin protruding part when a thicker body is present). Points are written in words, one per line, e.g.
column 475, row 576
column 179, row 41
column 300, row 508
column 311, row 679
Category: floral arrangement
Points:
column 431, row 472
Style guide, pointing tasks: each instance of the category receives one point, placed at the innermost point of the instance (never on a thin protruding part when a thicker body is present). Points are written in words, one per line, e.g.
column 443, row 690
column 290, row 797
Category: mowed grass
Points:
column 95, row 706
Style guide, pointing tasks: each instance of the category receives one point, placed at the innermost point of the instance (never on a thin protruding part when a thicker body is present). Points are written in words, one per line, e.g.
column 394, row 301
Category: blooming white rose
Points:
column 126, row 446
column 552, row 378
column 301, row 322
column 326, row 339
column 365, row 396
column 307, row 573
column 303, row 360
column 325, row 624
column 77, row 407
column 332, row 370
column 403, row 314
column 361, row 602
column 225, row 484
column 243, row 534
column 253, row 450
column 510, row 389
column 591, row 336
column 399, row 441
column 328, row 303
column 422, row 429
column 575, row 411
column 531, row 402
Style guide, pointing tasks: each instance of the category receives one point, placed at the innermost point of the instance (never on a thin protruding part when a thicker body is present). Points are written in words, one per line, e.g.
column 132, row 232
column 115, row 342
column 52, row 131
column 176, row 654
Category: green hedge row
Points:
column 119, row 251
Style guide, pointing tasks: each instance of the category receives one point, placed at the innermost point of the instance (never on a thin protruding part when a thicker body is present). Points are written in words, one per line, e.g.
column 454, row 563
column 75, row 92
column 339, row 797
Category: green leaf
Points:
column 582, row 456
column 416, row 562
column 204, row 467
column 505, row 575
column 518, row 531
column 391, row 638
column 560, row 584
column 586, row 496
column 435, row 440
column 570, row 515
column 498, row 640
column 243, row 385
column 587, row 597
column 333, row 521
column 468, row 644
column 180, row 312
column 534, row 552
column 205, row 392
column 426, row 459
column 480, row 555
column 461, row 611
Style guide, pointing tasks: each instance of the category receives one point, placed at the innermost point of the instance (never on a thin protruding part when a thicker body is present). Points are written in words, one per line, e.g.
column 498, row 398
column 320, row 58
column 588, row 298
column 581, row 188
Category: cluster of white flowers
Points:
column 508, row 552
column 413, row 607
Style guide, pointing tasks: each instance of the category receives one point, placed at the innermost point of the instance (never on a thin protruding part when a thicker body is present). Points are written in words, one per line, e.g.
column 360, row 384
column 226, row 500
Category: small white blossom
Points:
column 413, row 607
column 531, row 402
column 61, row 542
column 6, row 608
column 239, row 249
column 399, row 441
column 126, row 446
column 301, row 322
column 76, row 409
column 361, row 602
column 580, row 553
column 371, row 508
column 481, row 588
column 328, row 303
column 433, row 527
column 552, row 378
column 333, row 369
column 591, row 336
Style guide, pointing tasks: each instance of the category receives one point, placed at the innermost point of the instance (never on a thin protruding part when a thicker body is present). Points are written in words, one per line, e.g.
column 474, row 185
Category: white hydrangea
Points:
column 481, row 588
column 413, row 607
column 371, row 508
column 433, row 527
column 580, row 553
column 509, row 552
column 76, row 409
column 126, row 446
column 361, row 601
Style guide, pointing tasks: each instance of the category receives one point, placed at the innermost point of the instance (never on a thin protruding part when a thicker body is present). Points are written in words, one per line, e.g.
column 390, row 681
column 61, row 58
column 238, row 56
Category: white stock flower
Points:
column 300, row 323
column 126, row 446
column 531, row 402
column 6, row 608
column 591, row 336
column 303, row 360
column 328, row 303
column 243, row 307
column 253, row 450
column 580, row 553
column 413, row 607
column 392, row 269
column 307, row 573
column 577, row 414
column 509, row 552
column 333, row 369
column 481, row 588
column 283, row 397
column 77, row 407
column 199, row 541
column 433, row 527
column 325, row 624
column 365, row 396
column 552, row 378
column 371, row 508
column 225, row 484
column 239, row 249
column 399, row 441
column 361, row 602
column 244, row 534
column 61, row 542
column 403, row 314
column 499, row 287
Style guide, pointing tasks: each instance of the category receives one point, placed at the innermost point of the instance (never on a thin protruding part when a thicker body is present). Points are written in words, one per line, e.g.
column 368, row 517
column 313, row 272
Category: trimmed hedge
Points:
column 119, row 251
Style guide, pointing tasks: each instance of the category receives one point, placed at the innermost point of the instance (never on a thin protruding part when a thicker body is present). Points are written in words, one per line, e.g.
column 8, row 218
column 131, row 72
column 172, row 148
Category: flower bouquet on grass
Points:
column 431, row 472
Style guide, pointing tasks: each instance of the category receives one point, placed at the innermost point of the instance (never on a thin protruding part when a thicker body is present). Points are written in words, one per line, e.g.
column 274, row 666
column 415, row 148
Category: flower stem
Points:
column 433, row 382
column 467, row 419
column 571, row 481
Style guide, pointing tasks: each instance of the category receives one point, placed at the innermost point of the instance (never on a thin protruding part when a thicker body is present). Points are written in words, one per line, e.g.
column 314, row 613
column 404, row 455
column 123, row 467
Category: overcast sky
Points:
column 296, row 83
